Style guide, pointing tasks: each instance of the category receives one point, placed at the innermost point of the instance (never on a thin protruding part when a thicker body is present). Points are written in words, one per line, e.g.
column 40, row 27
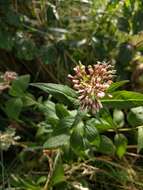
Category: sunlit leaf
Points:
column 118, row 117
column 121, row 144
column 140, row 138
column 135, row 116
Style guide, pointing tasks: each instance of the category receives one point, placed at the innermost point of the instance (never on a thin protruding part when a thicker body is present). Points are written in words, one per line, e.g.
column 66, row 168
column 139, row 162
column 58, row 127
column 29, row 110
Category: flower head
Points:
column 7, row 78
column 92, row 83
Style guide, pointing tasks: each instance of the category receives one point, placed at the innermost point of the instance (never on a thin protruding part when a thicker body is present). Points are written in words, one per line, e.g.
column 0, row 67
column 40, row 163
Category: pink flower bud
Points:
column 75, row 81
column 106, row 85
column 100, row 94
column 81, row 97
column 76, row 86
column 81, row 91
column 70, row 77
column 109, row 95
column 9, row 76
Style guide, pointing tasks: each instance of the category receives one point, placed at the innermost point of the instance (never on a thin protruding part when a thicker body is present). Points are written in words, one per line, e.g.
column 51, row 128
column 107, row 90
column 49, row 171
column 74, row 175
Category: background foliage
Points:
column 40, row 34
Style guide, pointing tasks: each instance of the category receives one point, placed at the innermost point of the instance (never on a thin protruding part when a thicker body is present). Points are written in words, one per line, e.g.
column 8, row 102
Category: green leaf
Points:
column 60, row 92
column 107, row 118
column 58, row 170
column 41, row 180
column 48, row 109
column 92, row 133
column 76, row 139
column 6, row 40
column 121, row 144
column 106, row 146
column 13, row 107
column 25, row 183
column 19, row 85
column 13, row 18
column 123, row 99
column 80, row 115
column 140, row 139
column 101, row 124
column 123, row 24
column 48, row 54
column 53, row 122
column 43, row 130
column 25, row 49
column 28, row 100
column 135, row 116
column 56, row 141
column 61, row 111
column 64, row 125
column 118, row 117
column 114, row 86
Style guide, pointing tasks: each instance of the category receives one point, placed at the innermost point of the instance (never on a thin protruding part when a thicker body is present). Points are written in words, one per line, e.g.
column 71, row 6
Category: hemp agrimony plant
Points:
column 72, row 127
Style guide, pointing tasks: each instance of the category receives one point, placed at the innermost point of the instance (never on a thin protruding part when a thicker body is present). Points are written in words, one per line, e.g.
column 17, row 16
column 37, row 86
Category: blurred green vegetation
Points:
column 47, row 38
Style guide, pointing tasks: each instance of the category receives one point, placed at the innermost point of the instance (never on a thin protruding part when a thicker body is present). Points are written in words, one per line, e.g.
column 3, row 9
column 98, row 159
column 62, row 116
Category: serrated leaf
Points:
column 106, row 146
column 121, row 144
column 92, row 133
column 101, row 124
column 56, row 141
column 76, row 139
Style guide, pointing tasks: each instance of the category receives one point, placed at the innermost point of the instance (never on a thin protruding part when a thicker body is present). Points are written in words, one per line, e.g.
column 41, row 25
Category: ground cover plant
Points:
column 71, row 102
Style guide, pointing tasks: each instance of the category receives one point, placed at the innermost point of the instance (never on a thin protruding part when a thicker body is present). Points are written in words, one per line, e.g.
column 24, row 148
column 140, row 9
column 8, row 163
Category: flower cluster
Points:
column 92, row 83
column 7, row 78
